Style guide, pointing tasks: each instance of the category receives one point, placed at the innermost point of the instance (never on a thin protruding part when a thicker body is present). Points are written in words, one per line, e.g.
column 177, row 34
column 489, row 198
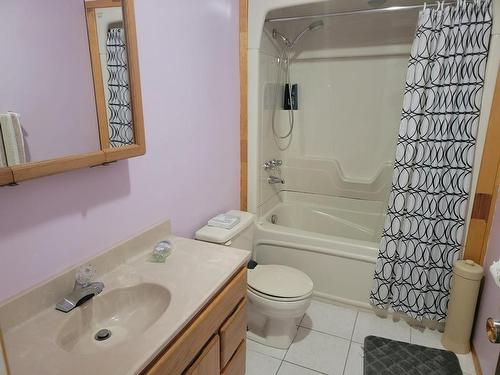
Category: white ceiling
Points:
column 351, row 31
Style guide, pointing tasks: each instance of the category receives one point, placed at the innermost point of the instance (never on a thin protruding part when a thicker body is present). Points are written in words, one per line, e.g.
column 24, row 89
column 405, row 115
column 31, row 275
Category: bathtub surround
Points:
column 59, row 221
column 332, row 84
column 425, row 222
column 350, row 76
column 338, row 168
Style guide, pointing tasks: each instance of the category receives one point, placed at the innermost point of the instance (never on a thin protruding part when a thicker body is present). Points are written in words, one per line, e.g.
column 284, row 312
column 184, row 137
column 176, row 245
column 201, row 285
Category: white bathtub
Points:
column 334, row 240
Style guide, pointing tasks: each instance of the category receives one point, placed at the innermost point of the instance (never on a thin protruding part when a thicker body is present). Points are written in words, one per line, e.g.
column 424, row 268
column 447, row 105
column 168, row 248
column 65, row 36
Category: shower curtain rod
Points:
column 365, row 11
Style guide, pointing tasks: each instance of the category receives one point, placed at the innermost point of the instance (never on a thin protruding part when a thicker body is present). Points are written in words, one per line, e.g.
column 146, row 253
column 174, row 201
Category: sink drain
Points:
column 102, row 335
column 274, row 219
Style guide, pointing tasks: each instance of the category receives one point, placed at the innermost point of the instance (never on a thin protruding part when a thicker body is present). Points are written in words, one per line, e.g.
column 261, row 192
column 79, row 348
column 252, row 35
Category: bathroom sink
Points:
column 118, row 315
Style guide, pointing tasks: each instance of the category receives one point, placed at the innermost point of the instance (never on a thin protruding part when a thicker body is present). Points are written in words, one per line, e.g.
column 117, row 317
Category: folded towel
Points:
column 13, row 140
column 224, row 221
column 18, row 130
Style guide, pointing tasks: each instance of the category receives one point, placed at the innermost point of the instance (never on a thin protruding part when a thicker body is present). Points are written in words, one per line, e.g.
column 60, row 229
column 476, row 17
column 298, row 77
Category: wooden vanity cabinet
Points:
column 213, row 342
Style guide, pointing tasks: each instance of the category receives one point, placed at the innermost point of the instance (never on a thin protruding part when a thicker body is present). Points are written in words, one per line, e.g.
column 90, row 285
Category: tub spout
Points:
column 275, row 180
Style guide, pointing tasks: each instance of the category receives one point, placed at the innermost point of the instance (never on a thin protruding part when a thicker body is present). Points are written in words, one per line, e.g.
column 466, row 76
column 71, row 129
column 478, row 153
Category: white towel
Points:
column 13, row 140
column 225, row 221
column 18, row 130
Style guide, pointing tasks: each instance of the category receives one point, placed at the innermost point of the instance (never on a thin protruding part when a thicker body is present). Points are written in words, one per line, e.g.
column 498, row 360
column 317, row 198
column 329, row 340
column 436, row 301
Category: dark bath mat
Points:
column 389, row 357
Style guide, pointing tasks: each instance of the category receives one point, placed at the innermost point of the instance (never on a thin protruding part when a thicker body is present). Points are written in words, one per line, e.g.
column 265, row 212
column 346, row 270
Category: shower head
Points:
column 316, row 25
column 284, row 39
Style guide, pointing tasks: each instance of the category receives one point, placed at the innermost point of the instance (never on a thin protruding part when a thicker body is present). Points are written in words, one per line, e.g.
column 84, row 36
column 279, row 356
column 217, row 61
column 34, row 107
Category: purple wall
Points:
column 188, row 52
column 48, row 57
column 489, row 305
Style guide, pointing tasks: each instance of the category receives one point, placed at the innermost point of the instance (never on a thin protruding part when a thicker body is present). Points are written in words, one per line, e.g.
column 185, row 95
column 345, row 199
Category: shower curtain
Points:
column 424, row 227
column 119, row 109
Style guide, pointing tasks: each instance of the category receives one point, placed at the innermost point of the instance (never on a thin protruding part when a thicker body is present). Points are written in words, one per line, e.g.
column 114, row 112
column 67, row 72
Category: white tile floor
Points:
column 329, row 341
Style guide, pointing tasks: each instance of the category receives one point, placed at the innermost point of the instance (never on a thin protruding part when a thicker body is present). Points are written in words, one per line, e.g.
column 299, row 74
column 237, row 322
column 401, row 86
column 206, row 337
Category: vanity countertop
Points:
column 193, row 274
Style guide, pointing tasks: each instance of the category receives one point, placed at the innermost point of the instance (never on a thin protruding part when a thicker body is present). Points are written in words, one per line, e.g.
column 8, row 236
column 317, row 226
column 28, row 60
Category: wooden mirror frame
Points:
column 22, row 172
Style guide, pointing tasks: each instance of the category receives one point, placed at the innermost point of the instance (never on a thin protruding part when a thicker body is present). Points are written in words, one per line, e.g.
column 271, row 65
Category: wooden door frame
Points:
column 243, row 104
column 485, row 198
column 487, row 186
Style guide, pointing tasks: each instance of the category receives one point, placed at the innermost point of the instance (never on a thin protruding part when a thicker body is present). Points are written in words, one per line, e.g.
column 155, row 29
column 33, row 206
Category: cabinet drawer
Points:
column 237, row 364
column 208, row 363
column 232, row 332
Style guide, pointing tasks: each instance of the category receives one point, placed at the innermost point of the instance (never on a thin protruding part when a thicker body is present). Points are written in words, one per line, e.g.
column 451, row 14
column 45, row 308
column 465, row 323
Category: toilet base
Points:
column 278, row 334
column 274, row 323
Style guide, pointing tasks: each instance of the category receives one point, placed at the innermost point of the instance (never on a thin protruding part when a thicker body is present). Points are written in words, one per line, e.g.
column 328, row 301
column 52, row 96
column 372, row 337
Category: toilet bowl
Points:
column 278, row 296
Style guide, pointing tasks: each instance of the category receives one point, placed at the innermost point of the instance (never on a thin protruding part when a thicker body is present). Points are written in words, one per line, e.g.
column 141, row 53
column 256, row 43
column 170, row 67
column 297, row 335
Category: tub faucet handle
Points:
column 276, row 163
column 272, row 164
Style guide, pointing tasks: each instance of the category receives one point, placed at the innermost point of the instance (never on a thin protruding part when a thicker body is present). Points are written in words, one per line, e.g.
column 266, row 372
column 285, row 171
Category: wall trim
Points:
column 243, row 104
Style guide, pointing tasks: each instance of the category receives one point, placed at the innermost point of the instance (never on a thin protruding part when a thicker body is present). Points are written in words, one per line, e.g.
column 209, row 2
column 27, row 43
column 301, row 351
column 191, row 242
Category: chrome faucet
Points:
column 275, row 180
column 83, row 290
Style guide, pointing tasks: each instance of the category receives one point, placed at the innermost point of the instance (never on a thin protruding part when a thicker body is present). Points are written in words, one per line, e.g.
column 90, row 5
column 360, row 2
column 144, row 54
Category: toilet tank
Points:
column 240, row 236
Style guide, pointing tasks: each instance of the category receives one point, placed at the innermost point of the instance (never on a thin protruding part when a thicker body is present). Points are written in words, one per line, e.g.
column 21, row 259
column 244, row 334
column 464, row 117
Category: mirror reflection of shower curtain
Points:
column 424, row 227
column 120, row 127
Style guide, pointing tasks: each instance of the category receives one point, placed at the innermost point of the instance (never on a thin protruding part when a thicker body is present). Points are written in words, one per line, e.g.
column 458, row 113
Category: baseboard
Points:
column 342, row 301
column 475, row 359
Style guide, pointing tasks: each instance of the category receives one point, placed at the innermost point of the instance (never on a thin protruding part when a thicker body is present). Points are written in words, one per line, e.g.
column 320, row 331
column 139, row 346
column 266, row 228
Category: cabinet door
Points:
column 233, row 332
column 208, row 363
column 237, row 364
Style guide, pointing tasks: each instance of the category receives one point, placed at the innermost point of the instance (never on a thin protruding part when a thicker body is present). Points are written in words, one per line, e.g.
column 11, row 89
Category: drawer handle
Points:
column 493, row 330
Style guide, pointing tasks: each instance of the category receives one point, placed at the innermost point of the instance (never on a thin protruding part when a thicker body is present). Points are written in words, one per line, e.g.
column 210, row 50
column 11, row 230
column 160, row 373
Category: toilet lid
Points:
column 279, row 281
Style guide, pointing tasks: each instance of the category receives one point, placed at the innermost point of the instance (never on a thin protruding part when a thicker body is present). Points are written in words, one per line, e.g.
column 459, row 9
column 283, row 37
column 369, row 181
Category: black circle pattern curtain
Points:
column 424, row 227
column 120, row 128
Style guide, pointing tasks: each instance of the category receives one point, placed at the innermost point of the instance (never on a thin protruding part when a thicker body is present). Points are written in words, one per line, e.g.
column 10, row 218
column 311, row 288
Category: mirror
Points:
column 70, row 86
column 108, row 50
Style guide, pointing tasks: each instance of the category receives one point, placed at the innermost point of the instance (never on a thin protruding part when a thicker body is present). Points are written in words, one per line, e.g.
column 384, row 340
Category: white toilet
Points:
column 278, row 295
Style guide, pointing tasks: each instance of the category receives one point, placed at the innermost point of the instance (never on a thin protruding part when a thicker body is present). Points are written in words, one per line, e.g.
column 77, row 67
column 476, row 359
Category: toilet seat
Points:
column 279, row 283
column 278, row 299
